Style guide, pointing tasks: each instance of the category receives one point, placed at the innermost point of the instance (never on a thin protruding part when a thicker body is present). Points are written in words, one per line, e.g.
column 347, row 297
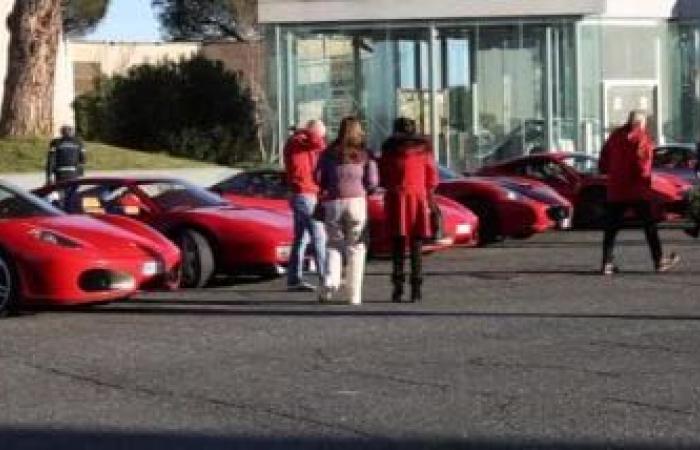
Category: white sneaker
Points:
column 326, row 294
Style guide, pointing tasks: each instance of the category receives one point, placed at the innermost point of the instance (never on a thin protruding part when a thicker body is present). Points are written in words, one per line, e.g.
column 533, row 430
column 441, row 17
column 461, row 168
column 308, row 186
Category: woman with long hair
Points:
column 346, row 174
column 409, row 175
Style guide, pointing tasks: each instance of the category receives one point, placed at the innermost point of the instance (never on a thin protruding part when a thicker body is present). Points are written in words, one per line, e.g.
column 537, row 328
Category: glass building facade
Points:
column 486, row 90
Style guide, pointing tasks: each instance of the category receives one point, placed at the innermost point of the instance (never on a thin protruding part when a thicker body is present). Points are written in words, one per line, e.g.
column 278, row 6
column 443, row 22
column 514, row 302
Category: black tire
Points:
column 489, row 223
column 590, row 209
column 9, row 286
column 197, row 259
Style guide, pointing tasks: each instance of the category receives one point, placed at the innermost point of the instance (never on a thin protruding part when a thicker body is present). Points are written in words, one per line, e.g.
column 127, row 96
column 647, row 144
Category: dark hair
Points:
column 349, row 145
column 404, row 125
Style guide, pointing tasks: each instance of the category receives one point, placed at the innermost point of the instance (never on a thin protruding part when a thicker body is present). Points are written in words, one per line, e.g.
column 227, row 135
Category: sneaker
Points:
column 667, row 263
column 609, row 269
column 301, row 287
column 325, row 294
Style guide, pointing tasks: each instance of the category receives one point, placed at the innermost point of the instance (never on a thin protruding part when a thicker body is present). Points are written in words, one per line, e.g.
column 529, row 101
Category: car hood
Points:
column 93, row 234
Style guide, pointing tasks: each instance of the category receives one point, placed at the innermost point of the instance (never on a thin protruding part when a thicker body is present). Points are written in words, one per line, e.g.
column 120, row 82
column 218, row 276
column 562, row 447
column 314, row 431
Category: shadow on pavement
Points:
column 370, row 309
column 56, row 439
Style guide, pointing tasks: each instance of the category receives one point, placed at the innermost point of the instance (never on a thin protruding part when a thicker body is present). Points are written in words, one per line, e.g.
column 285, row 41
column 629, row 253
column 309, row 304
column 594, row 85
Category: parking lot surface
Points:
column 520, row 345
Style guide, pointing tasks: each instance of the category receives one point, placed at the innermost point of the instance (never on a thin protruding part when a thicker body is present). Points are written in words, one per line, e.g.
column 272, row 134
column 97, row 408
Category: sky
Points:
column 127, row 20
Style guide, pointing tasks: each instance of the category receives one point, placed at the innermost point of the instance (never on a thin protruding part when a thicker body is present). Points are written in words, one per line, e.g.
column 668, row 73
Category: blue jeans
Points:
column 305, row 229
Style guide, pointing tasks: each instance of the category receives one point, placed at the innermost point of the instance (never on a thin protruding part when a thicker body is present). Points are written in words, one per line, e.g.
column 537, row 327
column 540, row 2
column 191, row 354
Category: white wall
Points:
column 5, row 7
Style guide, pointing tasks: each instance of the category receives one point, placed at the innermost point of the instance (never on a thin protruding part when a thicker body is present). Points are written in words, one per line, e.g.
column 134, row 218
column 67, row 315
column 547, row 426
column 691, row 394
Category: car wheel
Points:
column 9, row 286
column 197, row 259
column 489, row 224
column 590, row 211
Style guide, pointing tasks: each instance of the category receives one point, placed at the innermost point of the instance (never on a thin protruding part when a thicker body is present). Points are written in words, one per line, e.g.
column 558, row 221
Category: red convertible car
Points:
column 267, row 189
column 507, row 206
column 575, row 176
column 49, row 257
column 214, row 236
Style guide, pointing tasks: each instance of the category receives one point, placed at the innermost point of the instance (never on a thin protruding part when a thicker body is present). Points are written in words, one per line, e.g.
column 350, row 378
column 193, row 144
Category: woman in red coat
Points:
column 409, row 175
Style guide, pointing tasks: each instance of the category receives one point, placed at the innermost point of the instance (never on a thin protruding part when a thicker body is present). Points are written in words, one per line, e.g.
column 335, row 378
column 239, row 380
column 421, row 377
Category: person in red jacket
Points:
column 626, row 158
column 301, row 154
column 408, row 172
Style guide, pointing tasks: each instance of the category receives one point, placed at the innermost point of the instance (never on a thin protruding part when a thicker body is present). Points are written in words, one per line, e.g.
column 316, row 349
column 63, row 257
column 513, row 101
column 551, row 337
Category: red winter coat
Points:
column 301, row 155
column 408, row 173
column 626, row 159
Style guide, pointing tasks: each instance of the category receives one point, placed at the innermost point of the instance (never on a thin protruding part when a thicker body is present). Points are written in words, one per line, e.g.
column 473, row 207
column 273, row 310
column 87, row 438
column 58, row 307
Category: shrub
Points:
column 192, row 108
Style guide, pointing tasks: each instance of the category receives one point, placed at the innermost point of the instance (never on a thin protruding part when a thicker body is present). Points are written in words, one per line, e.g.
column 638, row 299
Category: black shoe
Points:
column 692, row 232
column 416, row 292
column 396, row 296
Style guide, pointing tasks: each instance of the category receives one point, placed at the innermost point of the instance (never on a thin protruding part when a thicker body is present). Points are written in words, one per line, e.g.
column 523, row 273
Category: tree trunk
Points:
column 35, row 30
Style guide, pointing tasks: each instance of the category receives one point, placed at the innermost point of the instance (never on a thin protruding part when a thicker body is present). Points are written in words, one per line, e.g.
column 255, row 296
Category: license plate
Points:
column 150, row 268
column 564, row 224
column 464, row 228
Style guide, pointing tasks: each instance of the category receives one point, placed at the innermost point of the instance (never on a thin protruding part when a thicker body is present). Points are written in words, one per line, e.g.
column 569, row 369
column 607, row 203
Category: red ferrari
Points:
column 507, row 206
column 48, row 257
column 575, row 176
column 267, row 189
column 215, row 237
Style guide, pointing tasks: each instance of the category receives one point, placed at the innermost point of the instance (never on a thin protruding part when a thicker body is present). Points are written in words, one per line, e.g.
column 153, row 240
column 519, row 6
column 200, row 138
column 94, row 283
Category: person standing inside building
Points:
column 301, row 154
column 626, row 158
column 346, row 173
column 408, row 172
column 66, row 157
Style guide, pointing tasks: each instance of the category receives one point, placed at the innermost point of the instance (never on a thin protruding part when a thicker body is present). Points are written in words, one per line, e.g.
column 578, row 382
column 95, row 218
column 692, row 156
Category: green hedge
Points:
column 192, row 108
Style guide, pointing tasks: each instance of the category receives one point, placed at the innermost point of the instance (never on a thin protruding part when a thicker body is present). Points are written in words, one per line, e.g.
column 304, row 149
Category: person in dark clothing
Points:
column 66, row 157
column 408, row 172
column 626, row 159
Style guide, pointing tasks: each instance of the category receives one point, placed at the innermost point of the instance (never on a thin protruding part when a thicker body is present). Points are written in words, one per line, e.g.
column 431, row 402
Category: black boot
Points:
column 398, row 277
column 416, row 291
column 397, row 293
column 416, row 270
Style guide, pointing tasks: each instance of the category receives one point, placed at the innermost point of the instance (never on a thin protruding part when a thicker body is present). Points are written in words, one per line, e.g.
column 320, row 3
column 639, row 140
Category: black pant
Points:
column 615, row 220
column 399, row 256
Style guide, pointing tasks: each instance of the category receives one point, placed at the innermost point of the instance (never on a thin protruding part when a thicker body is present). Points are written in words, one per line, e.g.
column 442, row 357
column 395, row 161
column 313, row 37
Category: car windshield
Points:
column 170, row 195
column 583, row 164
column 448, row 174
column 15, row 204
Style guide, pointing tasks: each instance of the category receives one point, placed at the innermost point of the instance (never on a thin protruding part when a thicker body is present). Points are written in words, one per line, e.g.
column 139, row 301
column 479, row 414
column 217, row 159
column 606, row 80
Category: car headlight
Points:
column 464, row 228
column 53, row 238
column 283, row 252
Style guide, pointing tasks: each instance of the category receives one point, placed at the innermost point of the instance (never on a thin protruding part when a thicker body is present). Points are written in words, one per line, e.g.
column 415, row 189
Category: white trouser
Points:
column 346, row 220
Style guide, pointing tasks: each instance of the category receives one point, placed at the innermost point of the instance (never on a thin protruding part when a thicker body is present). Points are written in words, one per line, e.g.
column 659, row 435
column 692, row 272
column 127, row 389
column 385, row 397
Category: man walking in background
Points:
column 66, row 157
column 301, row 155
column 626, row 159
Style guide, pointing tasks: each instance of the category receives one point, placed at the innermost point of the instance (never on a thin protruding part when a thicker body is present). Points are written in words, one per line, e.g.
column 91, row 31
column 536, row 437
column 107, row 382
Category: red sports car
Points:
column 507, row 206
column 575, row 176
column 267, row 189
column 49, row 257
column 215, row 237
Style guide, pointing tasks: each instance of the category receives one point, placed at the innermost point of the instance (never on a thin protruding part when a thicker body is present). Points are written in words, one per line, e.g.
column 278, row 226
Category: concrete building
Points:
column 488, row 79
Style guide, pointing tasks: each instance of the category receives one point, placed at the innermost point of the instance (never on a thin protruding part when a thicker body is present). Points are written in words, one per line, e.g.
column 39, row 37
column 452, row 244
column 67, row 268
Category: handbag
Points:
column 437, row 224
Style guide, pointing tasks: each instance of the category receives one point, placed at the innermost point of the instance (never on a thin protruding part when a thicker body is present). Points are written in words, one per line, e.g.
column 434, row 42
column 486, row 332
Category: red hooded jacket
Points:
column 301, row 155
column 408, row 172
column 626, row 159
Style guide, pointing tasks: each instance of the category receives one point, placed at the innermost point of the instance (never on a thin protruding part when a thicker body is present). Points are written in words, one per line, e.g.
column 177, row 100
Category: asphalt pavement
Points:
column 520, row 345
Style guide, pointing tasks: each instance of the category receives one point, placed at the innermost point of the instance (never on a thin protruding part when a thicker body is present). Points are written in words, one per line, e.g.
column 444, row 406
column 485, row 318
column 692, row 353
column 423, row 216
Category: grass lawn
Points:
column 29, row 155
